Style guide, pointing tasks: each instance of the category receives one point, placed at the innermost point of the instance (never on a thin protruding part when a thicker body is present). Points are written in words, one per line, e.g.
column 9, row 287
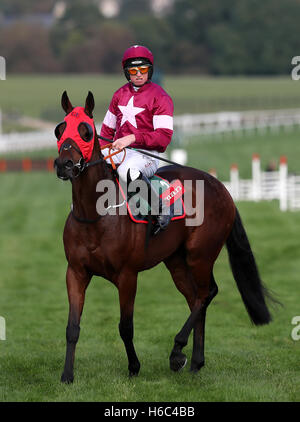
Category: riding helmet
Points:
column 137, row 55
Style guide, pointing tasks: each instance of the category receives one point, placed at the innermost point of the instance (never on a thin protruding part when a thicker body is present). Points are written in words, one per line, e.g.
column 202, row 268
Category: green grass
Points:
column 243, row 363
column 39, row 95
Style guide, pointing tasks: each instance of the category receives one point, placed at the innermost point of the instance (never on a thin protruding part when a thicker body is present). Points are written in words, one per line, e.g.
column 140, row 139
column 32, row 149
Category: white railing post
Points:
column 256, row 177
column 234, row 182
column 179, row 155
column 283, row 175
column 280, row 185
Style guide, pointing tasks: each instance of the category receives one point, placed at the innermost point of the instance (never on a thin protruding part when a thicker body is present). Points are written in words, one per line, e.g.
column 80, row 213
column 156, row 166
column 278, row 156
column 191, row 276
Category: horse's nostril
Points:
column 68, row 164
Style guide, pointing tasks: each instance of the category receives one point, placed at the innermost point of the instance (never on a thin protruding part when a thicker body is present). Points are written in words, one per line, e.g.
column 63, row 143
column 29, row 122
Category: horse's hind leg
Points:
column 77, row 283
column 199, row 329
column 197, row 284
column 183, row 280
column 127, row 289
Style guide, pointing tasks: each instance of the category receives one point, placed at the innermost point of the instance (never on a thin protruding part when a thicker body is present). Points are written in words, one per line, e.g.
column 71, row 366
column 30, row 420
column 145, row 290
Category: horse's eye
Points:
column 85, row 131
column 58, row 131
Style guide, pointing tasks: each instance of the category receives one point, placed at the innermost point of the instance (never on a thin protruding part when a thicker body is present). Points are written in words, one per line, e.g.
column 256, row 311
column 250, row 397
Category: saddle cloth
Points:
column 139, row 209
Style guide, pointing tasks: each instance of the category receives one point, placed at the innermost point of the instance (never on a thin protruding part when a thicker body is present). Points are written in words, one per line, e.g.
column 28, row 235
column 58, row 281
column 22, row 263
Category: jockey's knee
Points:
column 133, row 174
column 128, row 175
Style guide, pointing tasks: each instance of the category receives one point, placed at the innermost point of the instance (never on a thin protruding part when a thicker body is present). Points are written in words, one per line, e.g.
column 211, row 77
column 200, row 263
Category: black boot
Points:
column 165, row 213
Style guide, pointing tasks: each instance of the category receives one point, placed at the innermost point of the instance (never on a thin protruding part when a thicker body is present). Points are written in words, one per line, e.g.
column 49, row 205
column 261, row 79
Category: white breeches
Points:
column 136, row 162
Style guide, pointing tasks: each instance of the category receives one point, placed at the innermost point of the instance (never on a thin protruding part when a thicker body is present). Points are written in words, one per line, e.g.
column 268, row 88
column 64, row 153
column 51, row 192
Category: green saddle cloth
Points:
column 139, row 203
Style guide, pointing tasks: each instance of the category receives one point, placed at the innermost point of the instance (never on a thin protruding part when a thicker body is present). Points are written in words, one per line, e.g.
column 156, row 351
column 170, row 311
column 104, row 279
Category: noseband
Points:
column 81, row 164
column 78, row 167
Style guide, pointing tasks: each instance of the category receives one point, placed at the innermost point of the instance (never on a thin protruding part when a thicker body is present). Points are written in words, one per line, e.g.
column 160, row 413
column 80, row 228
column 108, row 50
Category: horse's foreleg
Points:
column 77, row 283
column 127, row 290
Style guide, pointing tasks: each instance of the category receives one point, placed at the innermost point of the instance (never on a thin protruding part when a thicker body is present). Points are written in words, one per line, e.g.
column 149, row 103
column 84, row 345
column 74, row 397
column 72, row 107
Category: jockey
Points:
column 140, row 114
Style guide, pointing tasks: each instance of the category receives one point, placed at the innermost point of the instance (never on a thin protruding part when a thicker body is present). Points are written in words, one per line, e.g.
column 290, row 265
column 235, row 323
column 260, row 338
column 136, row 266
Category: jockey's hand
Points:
column 123, row 142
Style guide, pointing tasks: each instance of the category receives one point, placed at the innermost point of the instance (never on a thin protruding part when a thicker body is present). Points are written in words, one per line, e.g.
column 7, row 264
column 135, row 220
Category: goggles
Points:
column 134, row 70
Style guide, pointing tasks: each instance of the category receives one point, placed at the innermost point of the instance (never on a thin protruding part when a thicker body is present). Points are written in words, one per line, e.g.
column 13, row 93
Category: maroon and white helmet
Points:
column 137, row 55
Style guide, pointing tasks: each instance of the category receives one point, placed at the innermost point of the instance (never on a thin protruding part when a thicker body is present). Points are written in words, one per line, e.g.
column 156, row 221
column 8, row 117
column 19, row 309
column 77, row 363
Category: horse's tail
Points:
column 246, row 274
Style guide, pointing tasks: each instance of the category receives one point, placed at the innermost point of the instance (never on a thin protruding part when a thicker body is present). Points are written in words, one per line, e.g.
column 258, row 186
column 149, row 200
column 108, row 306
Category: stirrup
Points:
column 163, row 220
column 160, row 224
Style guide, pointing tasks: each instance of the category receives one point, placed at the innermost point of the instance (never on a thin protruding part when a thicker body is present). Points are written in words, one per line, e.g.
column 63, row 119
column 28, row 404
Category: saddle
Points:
column 139, row 209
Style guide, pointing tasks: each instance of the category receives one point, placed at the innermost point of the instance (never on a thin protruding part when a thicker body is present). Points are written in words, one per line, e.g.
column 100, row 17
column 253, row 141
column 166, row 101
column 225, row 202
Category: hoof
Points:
column 177, row 361
column 195, row 367
column 134, row 370
column 67, row 378
column 133, row 374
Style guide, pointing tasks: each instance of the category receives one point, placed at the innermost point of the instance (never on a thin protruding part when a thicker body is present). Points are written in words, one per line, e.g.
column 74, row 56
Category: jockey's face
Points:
column 139, row 79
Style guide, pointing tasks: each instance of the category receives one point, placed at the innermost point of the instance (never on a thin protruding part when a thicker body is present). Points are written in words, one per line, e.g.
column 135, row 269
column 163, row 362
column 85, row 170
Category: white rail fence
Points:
column 231, row 121
column 263, row 185
column 26, row 141
column 266, row 185
column 201, row 124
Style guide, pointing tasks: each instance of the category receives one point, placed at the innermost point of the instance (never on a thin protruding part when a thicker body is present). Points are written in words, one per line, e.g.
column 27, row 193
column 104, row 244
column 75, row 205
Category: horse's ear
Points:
column 89, row 104
column 65, row 103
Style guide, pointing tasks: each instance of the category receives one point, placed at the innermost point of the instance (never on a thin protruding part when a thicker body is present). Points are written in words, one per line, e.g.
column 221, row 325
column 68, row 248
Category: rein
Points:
column 81, row 165
column 109, row 155
column 143, row 152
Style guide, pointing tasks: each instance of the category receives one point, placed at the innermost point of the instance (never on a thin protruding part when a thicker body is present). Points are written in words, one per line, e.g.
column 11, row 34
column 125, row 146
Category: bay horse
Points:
column 112, row 246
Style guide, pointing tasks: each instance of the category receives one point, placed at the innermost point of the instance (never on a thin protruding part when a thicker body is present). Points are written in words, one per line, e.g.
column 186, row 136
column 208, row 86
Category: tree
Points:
column 261, row 38
column 75, row 26
column 101, row 51
column 130, row 8
column 27, row 49
column 19, row 8
column 236, row 36
column 156, row 34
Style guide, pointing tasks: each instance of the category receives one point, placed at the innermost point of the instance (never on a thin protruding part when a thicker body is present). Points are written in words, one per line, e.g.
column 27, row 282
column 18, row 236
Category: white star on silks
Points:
column 129, row 112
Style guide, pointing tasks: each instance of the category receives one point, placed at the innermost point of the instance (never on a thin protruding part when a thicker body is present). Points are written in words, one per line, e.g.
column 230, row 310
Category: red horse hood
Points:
column 73, row 120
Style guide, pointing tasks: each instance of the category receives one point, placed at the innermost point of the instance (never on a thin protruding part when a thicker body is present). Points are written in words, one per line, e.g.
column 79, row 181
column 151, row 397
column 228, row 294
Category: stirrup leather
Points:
column 163, row 218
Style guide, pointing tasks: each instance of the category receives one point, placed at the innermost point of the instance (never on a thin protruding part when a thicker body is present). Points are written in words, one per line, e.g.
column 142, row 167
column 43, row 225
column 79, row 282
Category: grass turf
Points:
column 243, row 363
column 39, row 95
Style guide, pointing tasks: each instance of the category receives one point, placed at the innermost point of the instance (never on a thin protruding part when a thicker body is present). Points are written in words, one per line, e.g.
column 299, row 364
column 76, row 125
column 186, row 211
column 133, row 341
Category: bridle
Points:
column 81, row 165
column 69, row 165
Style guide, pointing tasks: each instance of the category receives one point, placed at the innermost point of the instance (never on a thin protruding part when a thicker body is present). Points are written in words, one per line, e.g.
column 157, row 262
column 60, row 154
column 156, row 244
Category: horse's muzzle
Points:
column 64, row 169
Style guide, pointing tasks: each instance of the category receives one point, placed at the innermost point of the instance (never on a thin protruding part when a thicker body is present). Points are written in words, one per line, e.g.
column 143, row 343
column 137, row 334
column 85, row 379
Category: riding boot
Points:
column 165, row 213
